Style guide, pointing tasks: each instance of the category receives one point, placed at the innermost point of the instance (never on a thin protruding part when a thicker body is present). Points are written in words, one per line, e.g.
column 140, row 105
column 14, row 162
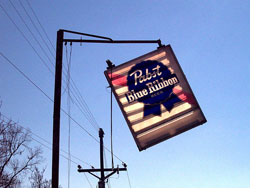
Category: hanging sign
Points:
column 155, row 97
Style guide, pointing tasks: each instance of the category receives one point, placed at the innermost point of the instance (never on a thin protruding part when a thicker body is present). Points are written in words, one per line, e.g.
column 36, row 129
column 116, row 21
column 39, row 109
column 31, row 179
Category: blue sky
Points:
column 211, row 40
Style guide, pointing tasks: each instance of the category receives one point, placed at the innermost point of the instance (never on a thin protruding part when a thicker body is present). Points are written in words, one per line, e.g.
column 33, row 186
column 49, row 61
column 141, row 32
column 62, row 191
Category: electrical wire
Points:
column 26, row 77
column 128, row 179
column 81, row 104
column 26, row 39
column 107, row 181
column 40, row 24
column 69, row 108
column 46, row 146
column 44, row 93
column 85, row 106
column 42, row 139
column 50, row 148
column 18, row 13
column 34, row 25
column 77, row 103
column 67, row 70
column 88, row 180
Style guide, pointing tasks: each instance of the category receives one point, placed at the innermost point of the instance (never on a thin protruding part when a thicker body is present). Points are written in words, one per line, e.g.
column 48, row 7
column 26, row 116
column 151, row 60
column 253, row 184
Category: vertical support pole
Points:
column 101, row 183
column 56, row 110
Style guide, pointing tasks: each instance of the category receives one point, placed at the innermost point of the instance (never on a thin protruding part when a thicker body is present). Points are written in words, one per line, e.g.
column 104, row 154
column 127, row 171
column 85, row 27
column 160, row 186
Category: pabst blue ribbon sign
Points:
column 155, row 97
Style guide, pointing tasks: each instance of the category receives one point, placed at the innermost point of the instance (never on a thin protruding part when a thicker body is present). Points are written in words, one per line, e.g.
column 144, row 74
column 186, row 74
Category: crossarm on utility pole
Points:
column 105, row 170
column 102, row 170
column 112, row 170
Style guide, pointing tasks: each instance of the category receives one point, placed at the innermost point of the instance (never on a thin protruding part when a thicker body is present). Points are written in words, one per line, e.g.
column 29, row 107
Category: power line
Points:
column 50, row 148
column 108, row 182
column 69, row 108
column 37, row 53
column 91, row 117
column 88, row 180
column 128, row 179
column 18, row 13
column 46, row 146
column 84, row 162
column 36, row 28
column 84, row 106
column 81, row 102
column 25, row 76
column 78, row 104
column 40, row 24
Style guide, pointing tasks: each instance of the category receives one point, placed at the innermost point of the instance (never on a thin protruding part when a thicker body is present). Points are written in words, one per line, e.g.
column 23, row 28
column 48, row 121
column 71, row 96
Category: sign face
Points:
column 155, row 97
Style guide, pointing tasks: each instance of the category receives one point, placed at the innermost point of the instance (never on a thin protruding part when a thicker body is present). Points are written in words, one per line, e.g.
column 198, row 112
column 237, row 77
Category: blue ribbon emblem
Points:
column 151, row 83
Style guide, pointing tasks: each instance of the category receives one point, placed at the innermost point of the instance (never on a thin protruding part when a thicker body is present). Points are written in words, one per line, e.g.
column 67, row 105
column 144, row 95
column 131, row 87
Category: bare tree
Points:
column 16, row 157
column 37, row 179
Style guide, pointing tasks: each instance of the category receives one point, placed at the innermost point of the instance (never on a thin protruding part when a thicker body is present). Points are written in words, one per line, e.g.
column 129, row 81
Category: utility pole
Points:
column 56, row 111
column 102, row 170
column 57, row 101
column 101, row 183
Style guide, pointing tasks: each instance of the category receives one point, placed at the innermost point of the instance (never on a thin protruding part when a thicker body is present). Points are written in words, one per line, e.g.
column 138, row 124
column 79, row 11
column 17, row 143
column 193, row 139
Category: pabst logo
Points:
column 151, row 83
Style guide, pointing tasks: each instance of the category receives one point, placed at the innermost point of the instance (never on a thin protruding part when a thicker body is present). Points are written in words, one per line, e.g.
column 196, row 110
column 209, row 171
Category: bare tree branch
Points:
column 37, row 179
column 16, row 157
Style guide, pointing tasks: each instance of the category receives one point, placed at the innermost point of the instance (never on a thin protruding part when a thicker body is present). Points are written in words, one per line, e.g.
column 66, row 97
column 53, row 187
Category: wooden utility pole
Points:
column 102, row 170
column 56, row 111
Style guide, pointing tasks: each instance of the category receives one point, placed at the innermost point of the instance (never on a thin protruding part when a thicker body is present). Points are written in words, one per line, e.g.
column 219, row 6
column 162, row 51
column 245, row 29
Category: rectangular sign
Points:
column 155, row 97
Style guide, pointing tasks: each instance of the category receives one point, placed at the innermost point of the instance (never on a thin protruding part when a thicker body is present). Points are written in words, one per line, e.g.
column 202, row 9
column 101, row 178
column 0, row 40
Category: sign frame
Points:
column 162, row 138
